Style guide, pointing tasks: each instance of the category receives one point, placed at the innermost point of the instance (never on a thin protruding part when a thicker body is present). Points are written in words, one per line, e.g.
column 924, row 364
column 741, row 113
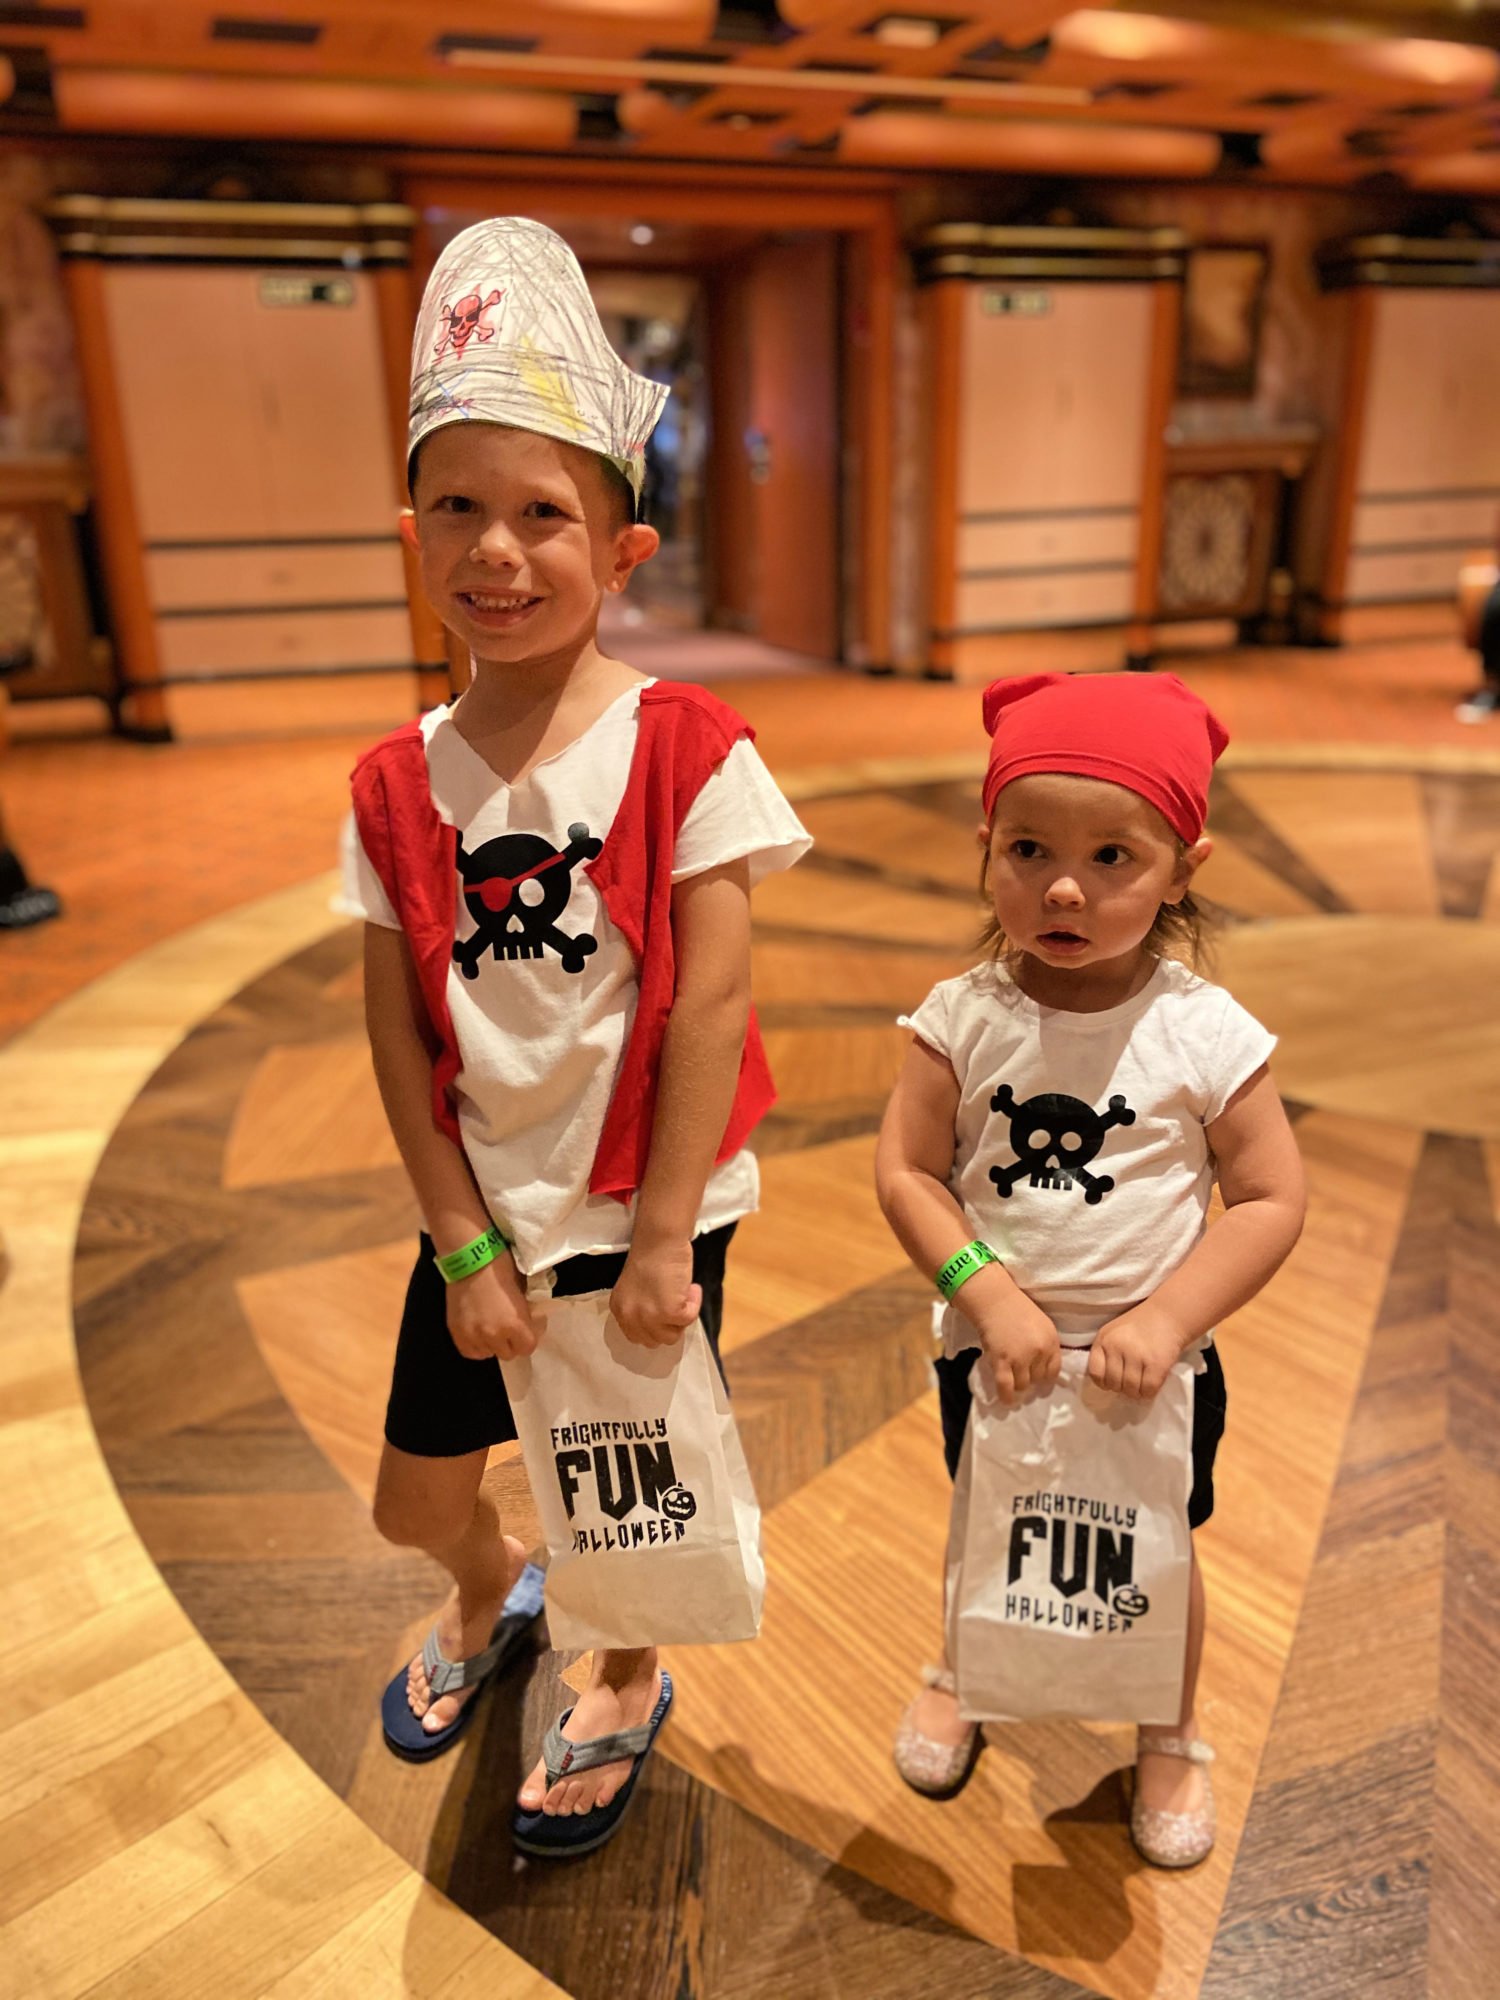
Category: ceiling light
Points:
column 642, row 233
column 907, row 31
column 1122, row 37
column 1446, row 65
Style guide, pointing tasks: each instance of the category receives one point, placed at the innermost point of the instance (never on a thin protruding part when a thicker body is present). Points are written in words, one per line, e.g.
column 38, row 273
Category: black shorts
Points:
column 443, row 1405
column 1210, row 1401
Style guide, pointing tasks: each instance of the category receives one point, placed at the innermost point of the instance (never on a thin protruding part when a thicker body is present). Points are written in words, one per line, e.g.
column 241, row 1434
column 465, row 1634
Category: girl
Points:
column 1061, row 1117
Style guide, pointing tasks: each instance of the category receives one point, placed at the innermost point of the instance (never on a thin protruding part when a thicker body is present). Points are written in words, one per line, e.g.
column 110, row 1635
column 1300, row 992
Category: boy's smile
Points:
column 498, row 611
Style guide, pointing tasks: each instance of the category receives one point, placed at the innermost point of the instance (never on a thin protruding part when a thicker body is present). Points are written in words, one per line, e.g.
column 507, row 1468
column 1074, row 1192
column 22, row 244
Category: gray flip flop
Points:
column 404, row 1733
column 555, row 1836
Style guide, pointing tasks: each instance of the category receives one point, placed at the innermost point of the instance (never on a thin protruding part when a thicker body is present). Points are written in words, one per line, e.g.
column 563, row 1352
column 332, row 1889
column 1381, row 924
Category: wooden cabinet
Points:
column 254, row 417
column 1410, row 480
column 1225, row 510
column 244, row 366
column 1050, row 353
column 49, row 649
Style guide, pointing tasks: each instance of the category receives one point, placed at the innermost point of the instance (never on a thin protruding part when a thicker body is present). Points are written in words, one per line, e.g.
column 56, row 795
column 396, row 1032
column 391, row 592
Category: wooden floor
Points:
column 209, row 1232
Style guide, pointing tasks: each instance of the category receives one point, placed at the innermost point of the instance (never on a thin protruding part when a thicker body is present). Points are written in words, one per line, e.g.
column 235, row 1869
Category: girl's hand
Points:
column 488, row 1316
column 1134, row 1354
column 656, row 1301
column 1019, row 1341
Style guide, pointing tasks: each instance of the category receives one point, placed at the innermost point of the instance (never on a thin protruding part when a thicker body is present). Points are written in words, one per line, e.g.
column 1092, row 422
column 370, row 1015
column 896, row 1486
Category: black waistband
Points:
column 599, row 1270
column 594, row 1271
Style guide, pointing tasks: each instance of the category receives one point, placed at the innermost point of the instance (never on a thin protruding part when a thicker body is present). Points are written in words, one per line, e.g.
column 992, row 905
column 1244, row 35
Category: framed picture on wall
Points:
column 1223, row 304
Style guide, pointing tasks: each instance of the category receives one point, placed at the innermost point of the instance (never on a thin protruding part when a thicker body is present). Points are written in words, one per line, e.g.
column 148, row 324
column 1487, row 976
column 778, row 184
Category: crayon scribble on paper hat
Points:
column 508, row 334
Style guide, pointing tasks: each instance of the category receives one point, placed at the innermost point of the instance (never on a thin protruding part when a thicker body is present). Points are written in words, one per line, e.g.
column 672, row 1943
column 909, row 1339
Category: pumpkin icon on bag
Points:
column 678, row 1504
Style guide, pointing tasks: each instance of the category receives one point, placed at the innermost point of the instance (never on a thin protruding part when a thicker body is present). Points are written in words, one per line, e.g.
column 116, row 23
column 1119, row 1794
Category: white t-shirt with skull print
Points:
column 543, row 988
column 1081, row 1155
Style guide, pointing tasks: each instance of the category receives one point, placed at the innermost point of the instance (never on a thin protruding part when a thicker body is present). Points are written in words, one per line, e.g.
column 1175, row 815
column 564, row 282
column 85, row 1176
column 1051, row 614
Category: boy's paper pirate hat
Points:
column 508, row 334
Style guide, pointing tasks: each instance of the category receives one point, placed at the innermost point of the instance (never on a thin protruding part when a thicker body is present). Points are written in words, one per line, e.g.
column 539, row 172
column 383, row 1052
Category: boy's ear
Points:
column 407, row 527
column 632, row 546
column 1187, row 867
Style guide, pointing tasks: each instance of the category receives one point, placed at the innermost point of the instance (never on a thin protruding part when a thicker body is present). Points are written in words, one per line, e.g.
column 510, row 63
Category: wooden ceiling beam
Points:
column 1110, row 69
column 173, row 104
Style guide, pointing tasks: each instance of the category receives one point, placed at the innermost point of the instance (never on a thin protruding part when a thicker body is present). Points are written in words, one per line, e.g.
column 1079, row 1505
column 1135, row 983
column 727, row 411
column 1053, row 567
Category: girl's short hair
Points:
column 1187, row 931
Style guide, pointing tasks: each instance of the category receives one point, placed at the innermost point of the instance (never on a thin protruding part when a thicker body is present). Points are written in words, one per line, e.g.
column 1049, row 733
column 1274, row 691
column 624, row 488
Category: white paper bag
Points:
column 652, row 1525
column 1069, row 1551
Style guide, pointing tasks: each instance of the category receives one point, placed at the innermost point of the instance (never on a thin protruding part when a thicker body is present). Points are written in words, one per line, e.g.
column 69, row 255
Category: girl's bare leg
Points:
column 1171, row 1783
column 934, row 1712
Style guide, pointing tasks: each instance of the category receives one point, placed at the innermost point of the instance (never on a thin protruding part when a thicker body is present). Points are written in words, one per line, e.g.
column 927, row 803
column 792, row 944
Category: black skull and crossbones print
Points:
column 516, row 889
column 1055, row 1137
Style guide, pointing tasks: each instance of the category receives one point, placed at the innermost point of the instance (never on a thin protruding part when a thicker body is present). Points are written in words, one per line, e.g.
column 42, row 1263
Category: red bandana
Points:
column 1147, row 732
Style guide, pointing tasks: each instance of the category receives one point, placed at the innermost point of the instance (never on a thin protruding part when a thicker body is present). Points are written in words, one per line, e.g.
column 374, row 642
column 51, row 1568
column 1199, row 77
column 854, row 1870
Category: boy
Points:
column 555, row 873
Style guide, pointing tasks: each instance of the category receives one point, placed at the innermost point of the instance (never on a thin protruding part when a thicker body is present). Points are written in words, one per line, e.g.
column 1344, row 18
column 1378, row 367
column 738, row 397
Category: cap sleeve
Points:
column 1239, row 1049
column 740, row 814
column 932, row 1020
column 360, row 893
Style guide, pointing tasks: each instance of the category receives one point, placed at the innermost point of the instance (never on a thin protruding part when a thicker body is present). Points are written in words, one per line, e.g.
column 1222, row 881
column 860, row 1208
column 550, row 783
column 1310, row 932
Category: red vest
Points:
column 683, row 736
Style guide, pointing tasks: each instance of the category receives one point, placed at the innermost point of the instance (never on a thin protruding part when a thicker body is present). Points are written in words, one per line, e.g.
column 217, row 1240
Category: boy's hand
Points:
column 1134, row 1354
column 488, row 1315
column 1019, row 1341
column 656, row 1301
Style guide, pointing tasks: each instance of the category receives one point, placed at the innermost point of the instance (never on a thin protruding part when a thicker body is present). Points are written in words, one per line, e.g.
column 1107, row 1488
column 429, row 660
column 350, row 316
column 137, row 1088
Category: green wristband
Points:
column 961, row 1267
column 463, row 1263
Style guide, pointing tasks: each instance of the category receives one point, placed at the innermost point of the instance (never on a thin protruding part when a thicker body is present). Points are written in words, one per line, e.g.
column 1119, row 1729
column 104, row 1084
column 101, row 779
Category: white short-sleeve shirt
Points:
column 1081, row 1153
column 543, row 988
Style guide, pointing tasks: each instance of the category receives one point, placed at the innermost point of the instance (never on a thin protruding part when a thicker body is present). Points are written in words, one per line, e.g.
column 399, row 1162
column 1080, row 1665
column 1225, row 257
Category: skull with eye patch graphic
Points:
column 516, row 889
column 1055, row 1137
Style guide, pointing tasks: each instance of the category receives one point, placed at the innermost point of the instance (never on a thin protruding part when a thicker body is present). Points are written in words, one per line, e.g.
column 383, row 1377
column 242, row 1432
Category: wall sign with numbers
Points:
column 1014, row 304
column 286, row 290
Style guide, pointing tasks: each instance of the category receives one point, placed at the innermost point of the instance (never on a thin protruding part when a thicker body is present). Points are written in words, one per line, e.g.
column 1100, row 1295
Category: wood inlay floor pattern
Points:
column 1351, row 1858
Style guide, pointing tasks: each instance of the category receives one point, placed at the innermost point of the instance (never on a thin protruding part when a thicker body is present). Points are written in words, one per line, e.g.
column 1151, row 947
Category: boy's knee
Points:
column 415, row 1524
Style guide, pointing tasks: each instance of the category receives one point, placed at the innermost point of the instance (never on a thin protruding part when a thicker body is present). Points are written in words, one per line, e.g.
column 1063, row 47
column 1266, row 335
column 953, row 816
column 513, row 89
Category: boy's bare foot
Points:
column 1166, row 1783
column 461, row 1638
column 622, row 1691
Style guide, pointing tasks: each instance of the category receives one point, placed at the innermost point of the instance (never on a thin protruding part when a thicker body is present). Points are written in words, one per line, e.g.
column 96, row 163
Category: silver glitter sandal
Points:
column 937, row 1770
column 1169, row 1839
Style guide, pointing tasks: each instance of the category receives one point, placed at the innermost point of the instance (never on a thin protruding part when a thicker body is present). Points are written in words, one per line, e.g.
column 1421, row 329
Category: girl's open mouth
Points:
column 1062, row 941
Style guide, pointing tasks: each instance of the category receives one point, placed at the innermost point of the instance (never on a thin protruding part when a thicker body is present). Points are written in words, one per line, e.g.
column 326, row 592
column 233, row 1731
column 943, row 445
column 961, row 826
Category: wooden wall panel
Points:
column 1083, row 597
column 205, row 579
column 1055, row 541
column 185, row 363
column 281, row 641
column 1053, row 406
column 248, row 422
column 331, row 470
column 1405, row 431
